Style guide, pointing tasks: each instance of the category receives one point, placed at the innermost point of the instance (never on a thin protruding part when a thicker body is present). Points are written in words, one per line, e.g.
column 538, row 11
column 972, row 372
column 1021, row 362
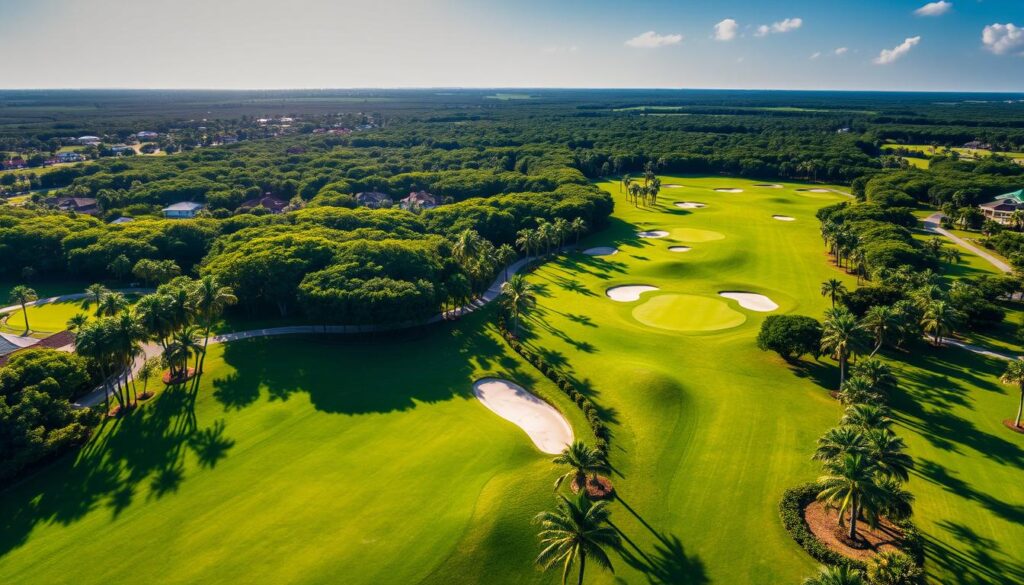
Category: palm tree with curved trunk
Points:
column 95, row 341
column 127, row 333
column 518, row 295
column 940, row 319
column 209, row 299
column 23, row 295
column 834, row 289
column 505, row 255
column 880, row 321
column 836, row 575
column 575, row 532
column 1014, row 374
column 582, row 461
column 848, row 484
column 840, row 441
column 840, row 334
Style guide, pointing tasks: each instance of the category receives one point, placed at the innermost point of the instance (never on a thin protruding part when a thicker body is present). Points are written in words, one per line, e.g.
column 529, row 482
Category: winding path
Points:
column 933, row 223
column 98, row 395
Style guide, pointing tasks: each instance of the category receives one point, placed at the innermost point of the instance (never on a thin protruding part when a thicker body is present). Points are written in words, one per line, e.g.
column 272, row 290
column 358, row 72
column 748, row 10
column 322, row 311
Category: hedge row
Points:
column 791, row 509
column 590, row 410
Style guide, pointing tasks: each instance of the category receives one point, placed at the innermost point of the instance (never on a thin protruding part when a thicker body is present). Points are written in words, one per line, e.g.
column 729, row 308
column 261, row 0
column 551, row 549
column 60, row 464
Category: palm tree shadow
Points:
column 668, row 563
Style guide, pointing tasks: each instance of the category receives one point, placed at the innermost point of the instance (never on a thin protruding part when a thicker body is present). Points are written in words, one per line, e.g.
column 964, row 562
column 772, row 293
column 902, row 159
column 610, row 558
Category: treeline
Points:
column 947, row 181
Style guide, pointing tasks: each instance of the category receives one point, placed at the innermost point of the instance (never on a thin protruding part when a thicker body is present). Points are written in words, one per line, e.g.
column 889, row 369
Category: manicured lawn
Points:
column 301, row 461
column 47, row 318
column 710, row 430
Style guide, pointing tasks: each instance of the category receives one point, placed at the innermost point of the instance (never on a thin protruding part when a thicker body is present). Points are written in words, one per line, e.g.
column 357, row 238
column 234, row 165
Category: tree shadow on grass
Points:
column 941, row 476
column 978, row 561
column 820, row 373
column 667, row 562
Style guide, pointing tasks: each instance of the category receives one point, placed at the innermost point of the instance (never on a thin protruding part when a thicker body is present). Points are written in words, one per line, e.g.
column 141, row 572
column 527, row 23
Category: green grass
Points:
column 48, row 318
column 927, row 150
column 301, row 461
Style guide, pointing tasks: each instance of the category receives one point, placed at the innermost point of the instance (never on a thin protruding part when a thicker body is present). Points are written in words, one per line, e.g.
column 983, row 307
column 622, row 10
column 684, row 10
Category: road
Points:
column 933, row 223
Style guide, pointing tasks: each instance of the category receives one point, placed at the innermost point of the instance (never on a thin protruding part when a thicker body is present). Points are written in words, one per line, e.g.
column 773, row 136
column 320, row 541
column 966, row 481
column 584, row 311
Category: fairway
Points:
column 296, row 461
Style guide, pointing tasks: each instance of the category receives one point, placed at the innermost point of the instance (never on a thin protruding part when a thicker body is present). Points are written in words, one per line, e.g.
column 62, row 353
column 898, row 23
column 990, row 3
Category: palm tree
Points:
column 95, row 293
column 95, row 341
column 893, row 568
column 578, row 226
column 111, row 304
column 560, row 231
column 22, row 295
column 505, row 255
column 857, row 390
column 866, row 416
column 77, row 322
column 582, row 461
column 836, row 575
column 517, row 296
column 841, row 333
column 577, row 530
column 840, row 441
column 184, row 344
column 834, row 289
column 626, row 182
column 126, row 335
column 149, row 370
column 887, row 451
column 940, row 318
column 848, row 484
column 880, row 320
column 209, row 299
column 466, row 246
column 1014, row 374
column 877, row 373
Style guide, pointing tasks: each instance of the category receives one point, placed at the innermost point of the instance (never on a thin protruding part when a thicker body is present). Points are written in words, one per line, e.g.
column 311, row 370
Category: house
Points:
column 88, row 140
column 183, row 210
column 147, row 135
column 84, row 205
column 15, row 163
column 119, row 148
column 373, row 199
column 69, row 157
column 1003, row 207
column 271, row 204
column 122, row 220
column 419, row 200
column 977, row 145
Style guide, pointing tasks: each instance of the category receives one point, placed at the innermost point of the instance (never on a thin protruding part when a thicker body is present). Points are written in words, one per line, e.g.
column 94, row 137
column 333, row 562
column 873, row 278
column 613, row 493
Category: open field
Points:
column 47, row 318
column 296, row 461
column 928, row 150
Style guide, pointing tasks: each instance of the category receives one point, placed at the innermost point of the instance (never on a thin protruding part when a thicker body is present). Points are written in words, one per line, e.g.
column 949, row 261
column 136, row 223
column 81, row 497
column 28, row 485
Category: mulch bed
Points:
column 179, row 379
column 118, row 411
column 146, row 395
column 599, row 488
column 824, row 523
column 1009, row 424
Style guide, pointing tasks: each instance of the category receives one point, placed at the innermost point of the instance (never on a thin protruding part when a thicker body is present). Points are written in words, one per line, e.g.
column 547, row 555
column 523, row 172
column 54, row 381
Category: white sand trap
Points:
column 689, row 205
column 601, row 251
column 752, row 301
column 628, row 293
column 653, row 234
column 783, row 218
column 679, row 249
column 673, row 186
column 814, row 190
column 769, row 185
column 729, row 190
column 547, row 428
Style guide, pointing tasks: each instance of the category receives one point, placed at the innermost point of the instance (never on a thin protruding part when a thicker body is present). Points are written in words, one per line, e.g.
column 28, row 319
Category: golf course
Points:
column 296, row 459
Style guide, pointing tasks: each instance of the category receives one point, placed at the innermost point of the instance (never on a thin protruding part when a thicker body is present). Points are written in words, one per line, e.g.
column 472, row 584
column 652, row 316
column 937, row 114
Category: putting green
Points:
column 688, row 313
column 696, row 235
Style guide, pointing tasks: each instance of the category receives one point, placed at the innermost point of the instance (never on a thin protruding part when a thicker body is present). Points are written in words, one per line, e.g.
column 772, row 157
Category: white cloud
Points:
column 652, row 40
column 815, row 55
column 1003, row 38
column 841, row 51
column 889, row 55
column 782, row 26
column 934, row 8
column 726, row 30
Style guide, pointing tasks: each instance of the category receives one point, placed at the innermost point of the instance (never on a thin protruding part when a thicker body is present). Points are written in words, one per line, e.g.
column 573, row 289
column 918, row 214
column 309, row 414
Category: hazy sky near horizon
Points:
column 966, row 45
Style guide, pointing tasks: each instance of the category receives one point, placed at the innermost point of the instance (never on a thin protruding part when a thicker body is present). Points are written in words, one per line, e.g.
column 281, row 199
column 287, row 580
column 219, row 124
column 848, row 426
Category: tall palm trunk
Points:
column 1020, row 407
column 854, row 512
column 842, row 367
column 583, row 566
column 24, row 313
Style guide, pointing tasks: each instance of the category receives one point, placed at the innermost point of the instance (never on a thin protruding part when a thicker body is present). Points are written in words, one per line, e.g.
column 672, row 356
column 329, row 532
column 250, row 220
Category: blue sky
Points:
column 968, row 45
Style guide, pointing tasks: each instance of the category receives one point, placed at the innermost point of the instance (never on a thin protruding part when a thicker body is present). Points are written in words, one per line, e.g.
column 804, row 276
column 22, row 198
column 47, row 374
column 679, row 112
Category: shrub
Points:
column 791, row 336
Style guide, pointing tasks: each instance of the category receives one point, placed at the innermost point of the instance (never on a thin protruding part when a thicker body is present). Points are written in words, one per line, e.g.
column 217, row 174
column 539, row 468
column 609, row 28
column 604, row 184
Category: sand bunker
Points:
column 679, row 249
column 688, row 313
column 673, row 186
column 729, row 190
column 628, row 293
column 601, row 251
column 547, row 428
column 653, row 234
column 696, row 235
column 769, row 185
column 814, row 190
column 689, row 205
column 752, row 301
column 783, row 218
